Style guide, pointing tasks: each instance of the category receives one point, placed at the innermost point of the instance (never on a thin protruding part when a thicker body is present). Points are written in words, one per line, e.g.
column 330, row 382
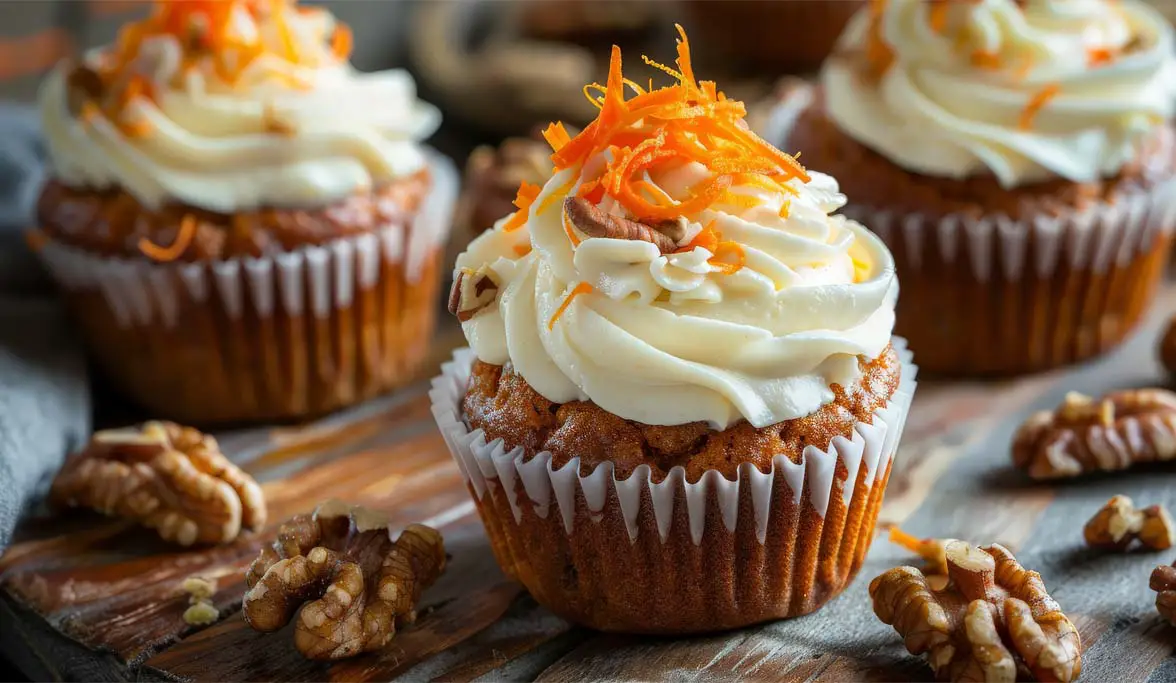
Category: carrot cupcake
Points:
column 246, row 227
column 1017, row 157
column 682, row 399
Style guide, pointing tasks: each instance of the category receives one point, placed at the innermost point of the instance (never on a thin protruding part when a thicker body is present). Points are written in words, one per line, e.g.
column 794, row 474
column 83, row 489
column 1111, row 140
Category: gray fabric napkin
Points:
column 44, row 391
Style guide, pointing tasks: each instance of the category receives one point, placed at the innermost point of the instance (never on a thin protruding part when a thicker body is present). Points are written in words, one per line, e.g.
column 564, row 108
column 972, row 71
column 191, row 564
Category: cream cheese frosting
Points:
column 293, row 126
column 762, row 299
column 1023, row 91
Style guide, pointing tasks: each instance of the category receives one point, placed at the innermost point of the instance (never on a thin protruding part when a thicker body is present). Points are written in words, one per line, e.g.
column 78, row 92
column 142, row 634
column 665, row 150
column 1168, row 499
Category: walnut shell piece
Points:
column 1122, row 429
column 350, row 582
column 1163, row 582
column 992, row 618
column 1118, row 524
column 167, row 477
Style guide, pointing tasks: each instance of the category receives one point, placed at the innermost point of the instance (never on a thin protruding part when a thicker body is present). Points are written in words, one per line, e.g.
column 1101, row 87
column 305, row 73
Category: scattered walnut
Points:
column 594, row 222
column 166, row 477
column 493, row 176
column 1122, row 429
column 1163, row 582
column 1168, row 347
column 201, row 613
column 472, row 292
column 991, row 619
column 358, row 584
column 1118, row 524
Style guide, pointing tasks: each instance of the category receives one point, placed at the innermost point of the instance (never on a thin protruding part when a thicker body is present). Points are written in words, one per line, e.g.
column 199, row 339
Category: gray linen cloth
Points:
column 44, row 391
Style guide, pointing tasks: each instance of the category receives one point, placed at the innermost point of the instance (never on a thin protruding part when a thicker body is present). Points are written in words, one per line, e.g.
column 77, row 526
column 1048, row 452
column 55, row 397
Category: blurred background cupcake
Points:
column 245, row 227
column 1018, row 159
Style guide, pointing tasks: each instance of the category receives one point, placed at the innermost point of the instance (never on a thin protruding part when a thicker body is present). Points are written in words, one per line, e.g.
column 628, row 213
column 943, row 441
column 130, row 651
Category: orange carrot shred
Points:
column 1097, row 56
column 722, row 251
column 937, row 15
column 556, row 135
column 985, row 60
column 582, row 288
column 342, row 42
column 557, row 195
column 526, row 196
column 1039, row 100
column 571, row 232
column 522, row 249
column 176, row 249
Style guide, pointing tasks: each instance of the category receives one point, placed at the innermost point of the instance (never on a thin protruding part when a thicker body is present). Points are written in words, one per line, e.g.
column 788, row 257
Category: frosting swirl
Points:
column 766, row 301
column 231, row 106
column 1024, row 91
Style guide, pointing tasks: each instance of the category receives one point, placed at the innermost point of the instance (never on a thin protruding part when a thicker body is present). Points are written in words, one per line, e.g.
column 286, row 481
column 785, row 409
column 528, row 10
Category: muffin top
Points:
column 1022, row 90
column 676, row 268
column 232, row 105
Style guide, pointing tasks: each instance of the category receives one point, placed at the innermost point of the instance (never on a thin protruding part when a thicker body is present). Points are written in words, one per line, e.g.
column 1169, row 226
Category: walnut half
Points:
column 1163, row 582
column 1118, row 524
column 1122, row 429
column 357, row 584
column 166, row 477
column 992, row 620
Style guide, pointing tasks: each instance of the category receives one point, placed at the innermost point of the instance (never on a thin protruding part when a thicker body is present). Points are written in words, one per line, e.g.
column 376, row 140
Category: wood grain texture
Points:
column 86, row 597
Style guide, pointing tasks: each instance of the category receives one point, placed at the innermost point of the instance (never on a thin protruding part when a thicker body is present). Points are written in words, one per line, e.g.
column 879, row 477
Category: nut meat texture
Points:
column 1122, row 429
column 1118, row 524
column 357, row 584
column 166, row 477
column 992, row 620
column 1163, row 582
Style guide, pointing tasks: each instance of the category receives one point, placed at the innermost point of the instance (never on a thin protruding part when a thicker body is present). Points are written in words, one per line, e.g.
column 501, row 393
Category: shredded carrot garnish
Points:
column 743, row 201
column 985, row 60
column 786, row 208
column 526, row 196
column 1039, row 100
column 559, row 193
column 90, row 111
column 571, row 232
column 522, row 249
column 177, row 248
column 728, row 250
column 708, row 238
column 556, row 135
column 689, row 121
column 215, row 34
column 582, row 288
column 937, row 15
column 1097, row 56
column 342, row 42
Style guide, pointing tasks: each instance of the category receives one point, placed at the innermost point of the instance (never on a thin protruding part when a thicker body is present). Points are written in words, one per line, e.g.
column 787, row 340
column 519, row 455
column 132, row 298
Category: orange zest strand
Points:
column 786, row 209
column 177, row 248
column 526, row 196
column 556, row 135
column 928, row 549
column 1039, row 100
column 708, row 238
column 726, row 250
column 522, row 249
column 582, row 288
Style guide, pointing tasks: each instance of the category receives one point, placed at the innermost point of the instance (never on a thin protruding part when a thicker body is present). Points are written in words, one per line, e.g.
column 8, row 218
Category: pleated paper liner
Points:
column 993, row 296
column 289, row 336
column 674, row 557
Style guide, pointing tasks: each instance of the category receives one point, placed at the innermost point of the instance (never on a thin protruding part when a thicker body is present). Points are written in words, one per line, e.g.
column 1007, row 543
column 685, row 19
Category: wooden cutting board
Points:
column 89, row 598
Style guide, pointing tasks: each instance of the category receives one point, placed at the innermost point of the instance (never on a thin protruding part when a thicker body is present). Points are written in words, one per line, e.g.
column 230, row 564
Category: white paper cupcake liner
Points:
column 311, row 279
column 1095, row 238
column 489, row 465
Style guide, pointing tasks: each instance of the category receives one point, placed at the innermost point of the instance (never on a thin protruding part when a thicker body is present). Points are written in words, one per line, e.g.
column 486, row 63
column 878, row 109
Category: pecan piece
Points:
column 1122, row 429
column 1163, row 582
column 593, row 222
column 473, row 291
column 992, row 618
column 357, row 584
column 83, row 84
column 1118, row 524
column 166, row 477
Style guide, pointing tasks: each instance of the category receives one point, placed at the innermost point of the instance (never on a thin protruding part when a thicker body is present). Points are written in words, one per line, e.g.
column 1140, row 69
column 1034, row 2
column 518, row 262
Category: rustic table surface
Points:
column 89, row 598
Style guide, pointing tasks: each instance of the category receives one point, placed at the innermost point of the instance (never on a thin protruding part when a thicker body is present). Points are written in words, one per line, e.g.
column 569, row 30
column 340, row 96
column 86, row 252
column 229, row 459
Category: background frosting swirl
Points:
column 670, row 338
column 283, row 133
column 961, row 82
